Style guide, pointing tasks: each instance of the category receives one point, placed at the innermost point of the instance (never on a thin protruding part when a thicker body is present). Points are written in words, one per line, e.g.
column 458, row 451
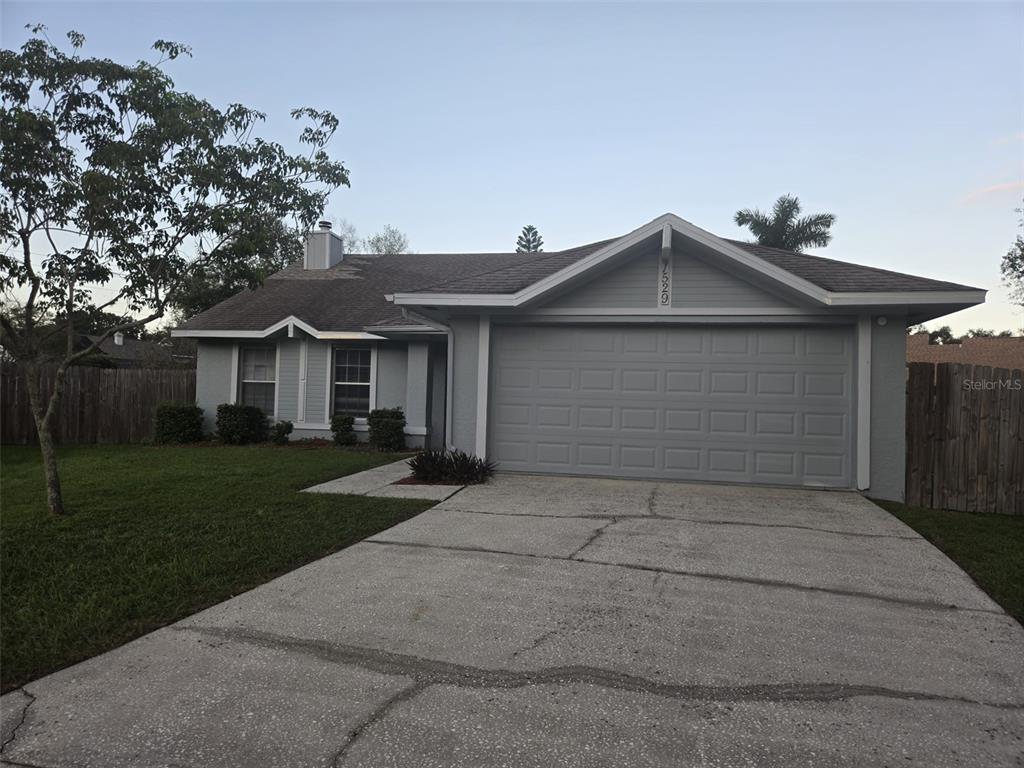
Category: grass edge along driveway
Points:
column 155, row 534
column 988, row 547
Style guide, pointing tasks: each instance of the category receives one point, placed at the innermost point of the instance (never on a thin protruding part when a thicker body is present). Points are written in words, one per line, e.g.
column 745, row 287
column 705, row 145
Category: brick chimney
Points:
column 324, row 249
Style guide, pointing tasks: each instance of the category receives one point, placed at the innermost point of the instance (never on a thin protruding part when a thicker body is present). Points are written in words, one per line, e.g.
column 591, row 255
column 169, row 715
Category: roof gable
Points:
column 800, row 276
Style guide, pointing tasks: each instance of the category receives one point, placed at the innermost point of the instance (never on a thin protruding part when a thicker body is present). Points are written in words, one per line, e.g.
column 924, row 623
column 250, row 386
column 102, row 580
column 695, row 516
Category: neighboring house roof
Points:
column 364, row 291
column 1000, row 352
column 134, row 352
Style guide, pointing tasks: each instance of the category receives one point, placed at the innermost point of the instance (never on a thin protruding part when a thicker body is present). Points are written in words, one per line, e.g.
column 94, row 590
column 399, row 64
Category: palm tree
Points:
column 782, row 229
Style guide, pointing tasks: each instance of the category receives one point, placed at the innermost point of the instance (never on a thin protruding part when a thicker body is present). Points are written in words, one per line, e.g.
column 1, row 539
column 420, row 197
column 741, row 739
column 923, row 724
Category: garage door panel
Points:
column 732, row 404
column 799, row 422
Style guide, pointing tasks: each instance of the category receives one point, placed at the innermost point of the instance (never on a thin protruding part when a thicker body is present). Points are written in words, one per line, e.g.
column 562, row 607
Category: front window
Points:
column 259, row 367
column 352, row 381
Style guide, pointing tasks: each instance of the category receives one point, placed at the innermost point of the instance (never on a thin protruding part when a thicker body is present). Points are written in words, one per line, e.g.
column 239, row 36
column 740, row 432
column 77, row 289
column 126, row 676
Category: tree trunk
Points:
column 42, row 418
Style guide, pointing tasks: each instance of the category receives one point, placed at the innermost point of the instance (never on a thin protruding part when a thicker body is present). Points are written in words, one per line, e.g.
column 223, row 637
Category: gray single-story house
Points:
column 667, row 353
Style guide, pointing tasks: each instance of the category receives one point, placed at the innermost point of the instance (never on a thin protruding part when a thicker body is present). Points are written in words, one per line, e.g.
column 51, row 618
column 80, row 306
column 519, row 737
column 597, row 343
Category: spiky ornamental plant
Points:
column 529, row 240
column 783, row 227
column 112, row 180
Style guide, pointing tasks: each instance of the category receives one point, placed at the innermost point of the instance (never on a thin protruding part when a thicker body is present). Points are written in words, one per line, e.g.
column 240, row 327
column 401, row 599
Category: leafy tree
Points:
column 346, row 230
column 249, row 257
column 529, row 240
column 985, row 333
column 943, row 335
column 783, row 229
column 111, row 177
column 1013, row 271
column 388, row 242
column 1012, row 266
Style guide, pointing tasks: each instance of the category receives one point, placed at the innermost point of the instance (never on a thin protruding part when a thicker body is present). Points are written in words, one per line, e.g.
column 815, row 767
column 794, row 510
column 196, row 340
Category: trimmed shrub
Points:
column 387, row 429
column 174, row 423
column 456, row 467
column 280, row 431
column 241, row 424
column 341, row 428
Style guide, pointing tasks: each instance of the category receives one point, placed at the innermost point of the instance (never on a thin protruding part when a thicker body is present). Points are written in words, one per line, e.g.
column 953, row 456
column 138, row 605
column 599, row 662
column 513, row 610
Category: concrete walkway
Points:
column 569, row 622
column 380, row 481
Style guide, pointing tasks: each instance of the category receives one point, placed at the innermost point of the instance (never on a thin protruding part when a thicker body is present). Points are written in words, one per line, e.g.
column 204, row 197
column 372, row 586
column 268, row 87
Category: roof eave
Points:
column 968, row 298
column 290, row 325
column 838, row 299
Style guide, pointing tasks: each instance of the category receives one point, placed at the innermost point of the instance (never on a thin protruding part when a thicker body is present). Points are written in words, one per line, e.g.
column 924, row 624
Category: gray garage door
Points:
column 735, row 404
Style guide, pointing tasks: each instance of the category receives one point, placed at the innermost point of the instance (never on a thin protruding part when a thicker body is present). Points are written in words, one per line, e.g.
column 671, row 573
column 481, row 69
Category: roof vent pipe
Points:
column 324, row 225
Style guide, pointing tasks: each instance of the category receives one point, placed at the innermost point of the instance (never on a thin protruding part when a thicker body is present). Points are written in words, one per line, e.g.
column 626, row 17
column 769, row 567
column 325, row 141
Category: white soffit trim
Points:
column 863, row 402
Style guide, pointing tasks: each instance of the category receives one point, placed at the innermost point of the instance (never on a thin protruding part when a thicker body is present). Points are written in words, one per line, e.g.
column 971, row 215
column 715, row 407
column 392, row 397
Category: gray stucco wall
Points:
column 213, row 378
column 465, row 341
column 438, row 399
column 888, row 409
column 288, row 379
column 417, row 388
column 318, row 354
column 392, row 365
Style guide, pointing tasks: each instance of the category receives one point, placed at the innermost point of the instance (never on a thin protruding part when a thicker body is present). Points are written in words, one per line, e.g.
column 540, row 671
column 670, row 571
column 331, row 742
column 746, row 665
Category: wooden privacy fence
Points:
column 965, row 438
column 100, row 405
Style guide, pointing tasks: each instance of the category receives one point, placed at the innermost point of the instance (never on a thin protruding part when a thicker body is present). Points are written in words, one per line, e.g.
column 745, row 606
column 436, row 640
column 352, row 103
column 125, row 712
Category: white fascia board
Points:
column 675, row 311
column 418, row 329
column 868, row 298
column 289, row 323
column 348, row 336
column 457, row 299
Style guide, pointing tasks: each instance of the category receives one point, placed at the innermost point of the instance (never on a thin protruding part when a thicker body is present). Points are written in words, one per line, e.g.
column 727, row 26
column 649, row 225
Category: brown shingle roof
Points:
column 350, row 296
column 1005, row 352
column 842, row 276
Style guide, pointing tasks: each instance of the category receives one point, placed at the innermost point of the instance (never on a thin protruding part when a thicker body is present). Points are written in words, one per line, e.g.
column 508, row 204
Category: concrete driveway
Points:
column 569, row 622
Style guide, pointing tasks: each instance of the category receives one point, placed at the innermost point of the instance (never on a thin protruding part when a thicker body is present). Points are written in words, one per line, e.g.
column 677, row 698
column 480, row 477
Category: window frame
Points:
column 242, row 381
column 333, row 381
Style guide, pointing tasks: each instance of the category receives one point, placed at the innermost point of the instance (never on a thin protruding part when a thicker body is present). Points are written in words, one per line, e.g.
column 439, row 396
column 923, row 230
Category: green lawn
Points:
column 156, row 533
column 988, row 547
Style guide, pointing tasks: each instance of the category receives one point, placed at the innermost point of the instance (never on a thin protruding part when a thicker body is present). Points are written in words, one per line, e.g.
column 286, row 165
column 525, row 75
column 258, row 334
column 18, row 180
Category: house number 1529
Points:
column 665, row 283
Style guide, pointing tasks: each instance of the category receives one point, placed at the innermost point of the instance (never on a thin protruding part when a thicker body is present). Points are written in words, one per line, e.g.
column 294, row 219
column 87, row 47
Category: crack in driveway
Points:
column 376, row 716
column 697, row 521
column 593, row 537
column 427, row 672
column 770, row 583
column 31, row 699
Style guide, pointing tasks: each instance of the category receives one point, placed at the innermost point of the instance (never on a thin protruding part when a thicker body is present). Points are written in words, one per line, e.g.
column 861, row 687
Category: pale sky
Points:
column 460, row 123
